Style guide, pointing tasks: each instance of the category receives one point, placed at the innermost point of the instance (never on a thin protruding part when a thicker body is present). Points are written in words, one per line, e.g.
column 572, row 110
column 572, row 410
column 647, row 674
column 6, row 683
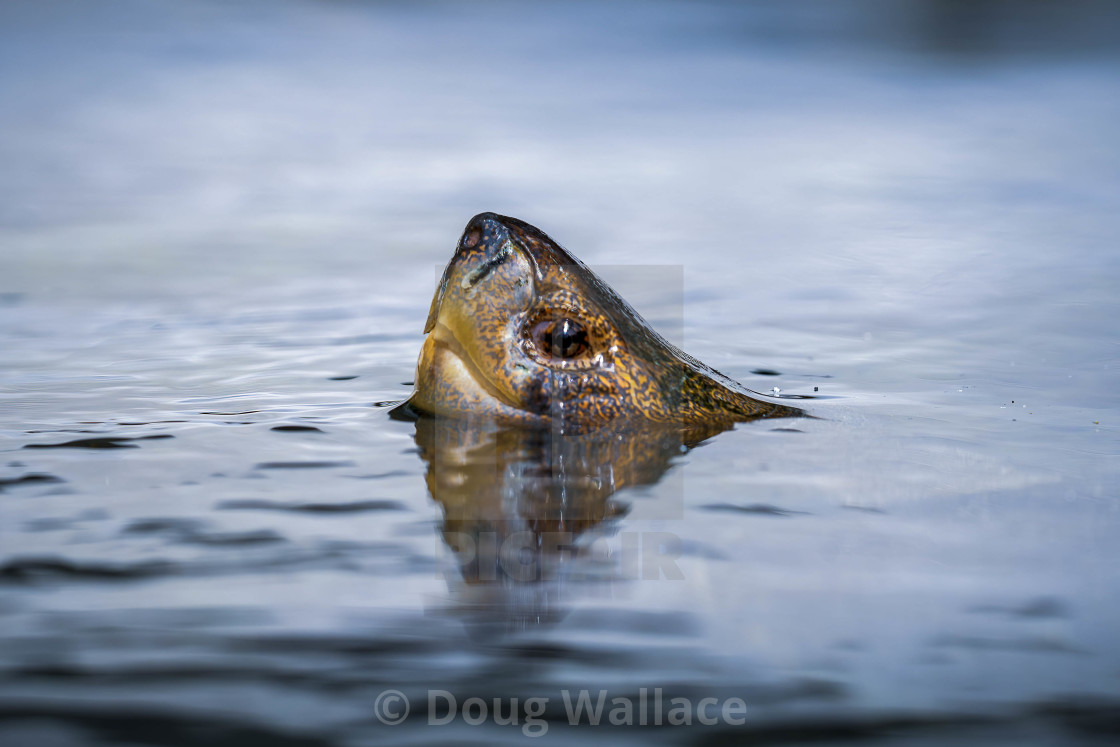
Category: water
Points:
column 219, row 221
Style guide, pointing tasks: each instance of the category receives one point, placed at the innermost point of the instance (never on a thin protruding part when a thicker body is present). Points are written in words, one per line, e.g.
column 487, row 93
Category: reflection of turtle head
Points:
column 516, row 500
column 521, row 332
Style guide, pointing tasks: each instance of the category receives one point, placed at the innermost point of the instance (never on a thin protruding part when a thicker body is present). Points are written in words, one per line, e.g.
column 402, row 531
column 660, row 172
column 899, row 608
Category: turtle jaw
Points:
column 449, row 382
column 472, row 362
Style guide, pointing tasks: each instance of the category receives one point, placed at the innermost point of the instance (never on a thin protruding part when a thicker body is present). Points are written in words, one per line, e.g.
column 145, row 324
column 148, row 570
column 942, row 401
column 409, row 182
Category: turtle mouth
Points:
column 463, row 370
column 469, row 359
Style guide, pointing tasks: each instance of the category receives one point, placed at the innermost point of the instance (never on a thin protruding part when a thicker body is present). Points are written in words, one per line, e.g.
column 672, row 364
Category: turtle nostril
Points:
column 470, row 241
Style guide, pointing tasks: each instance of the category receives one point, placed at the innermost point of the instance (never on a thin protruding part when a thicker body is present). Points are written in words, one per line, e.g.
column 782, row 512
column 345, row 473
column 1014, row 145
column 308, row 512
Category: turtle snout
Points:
column 484, row 234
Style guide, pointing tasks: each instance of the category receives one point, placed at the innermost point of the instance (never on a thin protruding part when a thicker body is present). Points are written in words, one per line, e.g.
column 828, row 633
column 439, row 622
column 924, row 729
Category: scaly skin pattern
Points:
column 482, row 358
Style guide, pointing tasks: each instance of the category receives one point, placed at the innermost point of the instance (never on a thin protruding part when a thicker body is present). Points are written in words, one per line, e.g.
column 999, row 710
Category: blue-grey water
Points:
column 219, row 219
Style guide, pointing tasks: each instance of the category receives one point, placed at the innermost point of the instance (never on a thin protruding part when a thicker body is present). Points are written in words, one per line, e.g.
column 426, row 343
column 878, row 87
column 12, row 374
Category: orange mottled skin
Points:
column 481, row 358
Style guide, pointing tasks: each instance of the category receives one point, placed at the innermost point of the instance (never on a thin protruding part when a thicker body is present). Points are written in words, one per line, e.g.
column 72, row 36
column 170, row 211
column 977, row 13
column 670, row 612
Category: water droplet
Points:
column 777, row 391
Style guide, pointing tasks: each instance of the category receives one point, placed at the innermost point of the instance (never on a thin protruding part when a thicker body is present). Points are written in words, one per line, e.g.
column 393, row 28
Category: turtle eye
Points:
column 560, row 338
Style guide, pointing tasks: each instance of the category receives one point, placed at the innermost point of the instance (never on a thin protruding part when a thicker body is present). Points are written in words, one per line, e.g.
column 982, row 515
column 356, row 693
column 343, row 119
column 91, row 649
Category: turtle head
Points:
column 520, row 331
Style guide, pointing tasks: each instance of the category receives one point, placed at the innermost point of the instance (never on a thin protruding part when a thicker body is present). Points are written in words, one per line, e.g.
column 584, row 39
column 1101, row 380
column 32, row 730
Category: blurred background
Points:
column 221, row 218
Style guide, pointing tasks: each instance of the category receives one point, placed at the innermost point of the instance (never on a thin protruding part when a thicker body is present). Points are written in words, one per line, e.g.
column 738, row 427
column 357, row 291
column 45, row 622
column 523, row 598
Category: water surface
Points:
column 220, row 228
